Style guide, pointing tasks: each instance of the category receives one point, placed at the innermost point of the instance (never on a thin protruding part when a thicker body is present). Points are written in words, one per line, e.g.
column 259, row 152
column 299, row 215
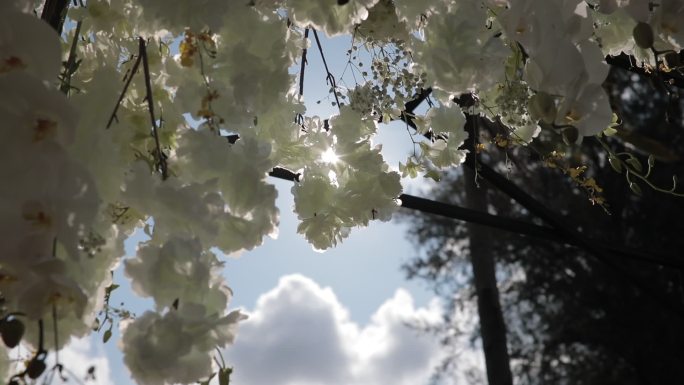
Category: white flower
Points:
column 350, row 126
column 361, row 99
column 240, row 168
column 26, row 6
column 668, row 20
column 238, row 172
column 359, row 156
column 412, row 12
column 247, row 77
column 595, row 64
column 614, row 32
column 190, row 210
column 51, row 198
column 175, row 347
column 556, row 64
column 101, row 15
column 194, row 14
column 443, row 155
column 460, row 53
column 589, row 110
column 639, row 10
column 178, row 270
column 313, row 195
column 323, row 231
column 328, row 16
column 448, row 120
column 369, row 196
column 250, row 75
column 383, row 24
column 106, row 153
column 33, row 114
column 4, row 363
column 525, row 134
column 332, row 198
column 88, row 276
column 534, row 22
column 41, row 286
column 199, row 209
column 28, row 44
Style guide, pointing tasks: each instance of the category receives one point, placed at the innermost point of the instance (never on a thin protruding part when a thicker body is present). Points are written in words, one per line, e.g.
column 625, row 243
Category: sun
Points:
column 329, row 156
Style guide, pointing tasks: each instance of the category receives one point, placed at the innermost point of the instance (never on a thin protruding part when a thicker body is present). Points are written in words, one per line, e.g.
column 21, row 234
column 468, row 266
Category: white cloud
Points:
column 80, row 355
column 300, row 334
column 76, row 358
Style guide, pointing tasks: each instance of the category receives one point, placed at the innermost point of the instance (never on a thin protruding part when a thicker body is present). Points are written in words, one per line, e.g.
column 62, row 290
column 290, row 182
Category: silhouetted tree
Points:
column 573, row 318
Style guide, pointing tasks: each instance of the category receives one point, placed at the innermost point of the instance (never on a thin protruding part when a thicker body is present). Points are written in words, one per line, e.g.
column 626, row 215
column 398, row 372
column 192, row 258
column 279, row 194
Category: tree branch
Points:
column 301, row 71
column 150, row 104
column 452, row 211
column 626, row 62
column 54, row 13
column 563, row 234
column 330, row 78
column 123, row 92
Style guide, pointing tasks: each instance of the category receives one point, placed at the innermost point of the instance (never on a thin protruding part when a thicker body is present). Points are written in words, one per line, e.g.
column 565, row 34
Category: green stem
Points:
column 632, row 172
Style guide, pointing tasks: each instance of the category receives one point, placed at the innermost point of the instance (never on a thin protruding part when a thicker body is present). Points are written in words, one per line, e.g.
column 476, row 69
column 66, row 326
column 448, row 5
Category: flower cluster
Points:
column 51, row 199
column 49, row 207
column 348, row 185
column 393, row 82
column 460, row 52
column 333, row 18
column 382, row 23
column 175, row 347
column 171, row 117
column 563, row 61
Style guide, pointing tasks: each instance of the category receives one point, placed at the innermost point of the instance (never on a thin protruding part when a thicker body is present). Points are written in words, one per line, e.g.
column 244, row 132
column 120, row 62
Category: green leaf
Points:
column 643, row 35
column 12, row 331
column 409, row 169
column 615, row 163
column 635, row 164
column 35, row 368
column 610, row 131
column 413, row 172
column 224, row 375
column 614, row 122
column 651, row 161
column 434, row 175
column 106, row 336
column 635, row 188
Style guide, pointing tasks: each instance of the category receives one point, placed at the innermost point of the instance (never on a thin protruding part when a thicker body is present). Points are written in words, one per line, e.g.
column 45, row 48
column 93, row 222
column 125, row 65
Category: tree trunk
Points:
column 492, row 325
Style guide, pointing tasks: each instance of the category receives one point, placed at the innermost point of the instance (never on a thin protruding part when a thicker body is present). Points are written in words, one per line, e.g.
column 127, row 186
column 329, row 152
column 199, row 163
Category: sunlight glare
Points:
column 329, row 156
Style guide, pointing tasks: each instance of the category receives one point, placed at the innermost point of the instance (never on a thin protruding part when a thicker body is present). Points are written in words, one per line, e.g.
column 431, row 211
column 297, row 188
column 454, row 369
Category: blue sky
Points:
column 363, row 270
